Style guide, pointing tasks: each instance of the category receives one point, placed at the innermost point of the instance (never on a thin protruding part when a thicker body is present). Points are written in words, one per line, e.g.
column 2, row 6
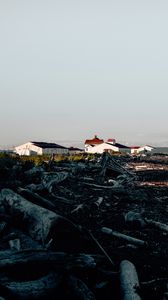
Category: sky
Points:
column 70, row 69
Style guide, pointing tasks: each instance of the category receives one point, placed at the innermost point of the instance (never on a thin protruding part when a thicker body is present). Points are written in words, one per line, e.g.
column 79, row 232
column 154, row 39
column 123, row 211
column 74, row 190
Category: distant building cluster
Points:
column 40, row 148
column 97, row 145
column 94, row 145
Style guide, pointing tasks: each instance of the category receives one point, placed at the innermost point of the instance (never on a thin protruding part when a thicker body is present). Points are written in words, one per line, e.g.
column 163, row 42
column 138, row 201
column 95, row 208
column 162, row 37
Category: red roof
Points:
column 94, row 141
column 135, row 147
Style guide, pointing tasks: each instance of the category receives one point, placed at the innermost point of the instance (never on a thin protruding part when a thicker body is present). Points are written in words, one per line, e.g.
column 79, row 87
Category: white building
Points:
column 109, row 147
column 39, row 148
column 134, row 149
column 145, row 149
column 90, row 143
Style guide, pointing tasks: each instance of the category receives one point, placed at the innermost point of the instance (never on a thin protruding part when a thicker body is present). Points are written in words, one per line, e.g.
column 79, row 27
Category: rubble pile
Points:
column 83, row 230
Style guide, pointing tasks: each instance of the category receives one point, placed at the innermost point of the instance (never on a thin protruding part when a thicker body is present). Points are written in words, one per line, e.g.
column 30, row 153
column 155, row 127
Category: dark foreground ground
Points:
column 55, row 222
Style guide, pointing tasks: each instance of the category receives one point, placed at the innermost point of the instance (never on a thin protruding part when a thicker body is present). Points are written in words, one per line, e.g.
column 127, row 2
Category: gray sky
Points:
column 70, row 69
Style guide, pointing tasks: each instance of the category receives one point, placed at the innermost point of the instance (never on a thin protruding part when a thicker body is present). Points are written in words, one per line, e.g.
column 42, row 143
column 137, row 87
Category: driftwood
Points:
column 77, row 289
column 129, row 282
column 108, row 187
column 35, row 171
column 98, row 202
column 36, row 199
column 153, row 282
column 165, row 296
column 100, row 247
column 60, row 199
column 80, row 207
column 132, row 218
column 124, row 237
column 34, row 187
column 26, row 242
column 108, row 162
column 37, row 289
column 158, row 225
column 57, row 260
column 38, row 222
column 51, row 179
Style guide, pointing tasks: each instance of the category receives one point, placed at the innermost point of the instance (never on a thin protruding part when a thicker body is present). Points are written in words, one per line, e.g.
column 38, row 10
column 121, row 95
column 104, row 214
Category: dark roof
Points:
column 47, row 145
column 118, row 145
column 75, row 149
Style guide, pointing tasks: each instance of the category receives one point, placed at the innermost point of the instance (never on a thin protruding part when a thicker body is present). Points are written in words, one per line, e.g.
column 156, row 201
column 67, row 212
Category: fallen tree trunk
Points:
column 38, row 222
column 57, row 260
column 132, row 218
column 158, row 225
column 77, row 289
column 41, row 288
column 49, row 180
column 124, row 237
column 100, row 247
column 113, row 189
column 36, row 199
column 129, row 282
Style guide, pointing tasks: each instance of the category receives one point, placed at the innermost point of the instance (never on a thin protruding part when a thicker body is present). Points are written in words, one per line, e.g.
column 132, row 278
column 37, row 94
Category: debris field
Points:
column 88, row 229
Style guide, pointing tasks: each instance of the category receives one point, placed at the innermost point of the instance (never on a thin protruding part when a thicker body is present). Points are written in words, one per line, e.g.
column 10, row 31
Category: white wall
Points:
column 102, row 147
column 145, row 148
column 88, row 147
column 23, row 149
column 30, row 149
column 134, row 151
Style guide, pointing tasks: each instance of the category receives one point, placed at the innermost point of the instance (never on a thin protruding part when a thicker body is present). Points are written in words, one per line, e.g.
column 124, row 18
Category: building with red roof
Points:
column 94, row 141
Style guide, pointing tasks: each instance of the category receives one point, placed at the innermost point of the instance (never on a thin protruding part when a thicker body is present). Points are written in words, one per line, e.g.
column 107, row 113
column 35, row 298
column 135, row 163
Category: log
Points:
column 51, row 179
column 108, row 162
column 80, row 207
column 98, row 202
column 35, row 171
column 100, row 247
column 57, row 260
column 165, row 296
column 77, row 289
column 36, row 199
column 129, row 282
column 60, row 199
column 26, row 242
column 117, row 190
column 132, row 218
column 37, row 289
column 158, row 225
column 36, row 221
column 34, row 187
column 124, row 237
